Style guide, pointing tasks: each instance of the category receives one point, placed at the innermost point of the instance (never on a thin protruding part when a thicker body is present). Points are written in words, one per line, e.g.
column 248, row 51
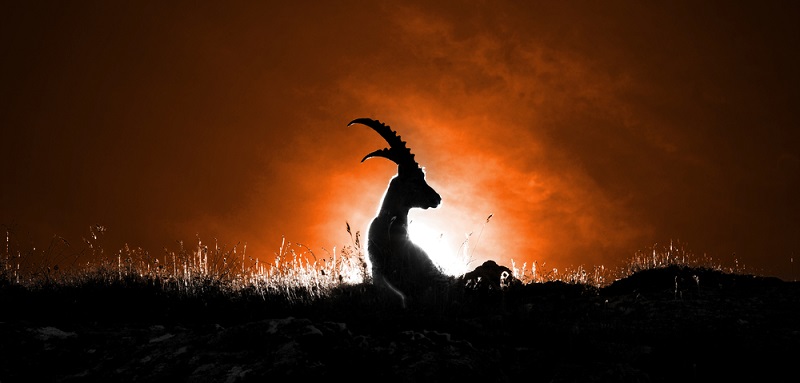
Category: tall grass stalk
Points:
column 296, row 273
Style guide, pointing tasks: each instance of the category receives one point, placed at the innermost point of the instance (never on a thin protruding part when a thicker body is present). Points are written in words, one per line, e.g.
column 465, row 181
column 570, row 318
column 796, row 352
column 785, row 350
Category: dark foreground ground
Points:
column 663, row 325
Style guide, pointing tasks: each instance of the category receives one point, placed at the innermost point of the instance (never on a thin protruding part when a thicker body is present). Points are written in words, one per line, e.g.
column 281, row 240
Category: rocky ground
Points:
column 670, row 324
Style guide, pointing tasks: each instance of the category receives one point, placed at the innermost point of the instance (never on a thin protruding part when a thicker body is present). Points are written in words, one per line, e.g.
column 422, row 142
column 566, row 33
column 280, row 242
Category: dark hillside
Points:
column 667, row 324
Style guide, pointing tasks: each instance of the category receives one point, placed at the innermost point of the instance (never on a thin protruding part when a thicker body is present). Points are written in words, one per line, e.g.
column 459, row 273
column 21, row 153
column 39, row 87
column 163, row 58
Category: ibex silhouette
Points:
column 397, row 263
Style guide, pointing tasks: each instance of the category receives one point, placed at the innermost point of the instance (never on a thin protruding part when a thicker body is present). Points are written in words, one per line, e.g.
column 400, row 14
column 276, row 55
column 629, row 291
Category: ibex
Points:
column 397, row 263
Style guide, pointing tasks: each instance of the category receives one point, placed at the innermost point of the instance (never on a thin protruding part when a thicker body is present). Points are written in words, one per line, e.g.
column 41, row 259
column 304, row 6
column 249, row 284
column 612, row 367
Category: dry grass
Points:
column 295, row 274
column 655, row 257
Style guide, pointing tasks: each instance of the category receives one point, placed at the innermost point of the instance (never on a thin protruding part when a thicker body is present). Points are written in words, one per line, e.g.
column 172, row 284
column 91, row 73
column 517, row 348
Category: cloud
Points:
column 481, row 114
column 588, row 130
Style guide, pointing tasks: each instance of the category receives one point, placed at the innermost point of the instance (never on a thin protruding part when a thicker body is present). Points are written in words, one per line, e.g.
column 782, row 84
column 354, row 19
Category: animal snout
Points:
column 434, row 201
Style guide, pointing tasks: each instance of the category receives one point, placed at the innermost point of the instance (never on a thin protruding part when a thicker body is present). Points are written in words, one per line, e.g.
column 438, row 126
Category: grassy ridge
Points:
column 220, row 283
column 668, row 317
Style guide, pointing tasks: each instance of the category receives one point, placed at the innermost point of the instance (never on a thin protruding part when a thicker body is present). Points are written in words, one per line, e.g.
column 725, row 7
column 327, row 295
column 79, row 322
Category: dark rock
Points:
column 731, row 327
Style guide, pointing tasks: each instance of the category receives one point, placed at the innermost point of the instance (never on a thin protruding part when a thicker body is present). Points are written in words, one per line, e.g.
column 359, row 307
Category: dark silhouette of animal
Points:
column 399, row 265
column 488, row 277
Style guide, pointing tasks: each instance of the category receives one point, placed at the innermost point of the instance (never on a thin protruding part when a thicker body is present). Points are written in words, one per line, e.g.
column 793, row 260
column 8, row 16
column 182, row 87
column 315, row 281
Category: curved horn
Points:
column 397, row 151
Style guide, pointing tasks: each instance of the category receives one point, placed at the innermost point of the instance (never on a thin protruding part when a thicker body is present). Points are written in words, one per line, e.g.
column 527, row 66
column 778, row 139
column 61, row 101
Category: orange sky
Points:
column 589, row 131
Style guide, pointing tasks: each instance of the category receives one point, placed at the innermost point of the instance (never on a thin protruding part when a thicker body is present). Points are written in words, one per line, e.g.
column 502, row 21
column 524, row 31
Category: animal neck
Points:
column 400, row 216
column 394, row 208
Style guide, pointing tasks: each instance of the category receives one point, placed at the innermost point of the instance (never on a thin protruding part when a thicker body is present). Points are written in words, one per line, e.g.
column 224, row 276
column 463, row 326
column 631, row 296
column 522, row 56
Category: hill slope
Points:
column 665, row 324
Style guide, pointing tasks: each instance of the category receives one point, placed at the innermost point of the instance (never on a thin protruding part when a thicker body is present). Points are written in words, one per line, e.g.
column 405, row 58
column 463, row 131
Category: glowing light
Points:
column 438, row 248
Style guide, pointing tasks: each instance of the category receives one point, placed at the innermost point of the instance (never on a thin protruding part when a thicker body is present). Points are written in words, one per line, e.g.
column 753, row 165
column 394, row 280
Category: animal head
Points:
column 409, row 188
